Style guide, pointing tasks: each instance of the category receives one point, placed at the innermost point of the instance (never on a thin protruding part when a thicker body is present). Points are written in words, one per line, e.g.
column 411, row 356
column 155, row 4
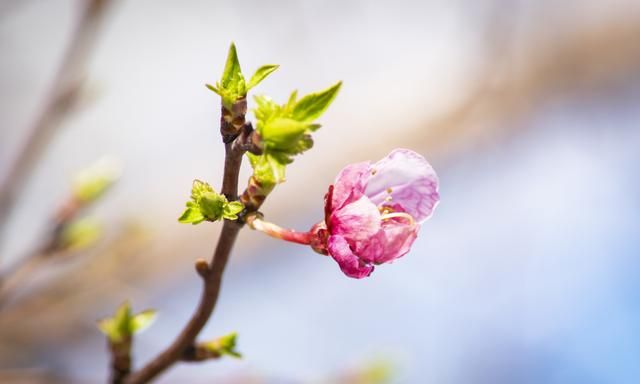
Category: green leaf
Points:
column 124, row 324
column 107, row 326
column 313, row 105
column 199, row 188
column 192, row 215
column 268, row 168
column 212, row 205
column 232, row 209
column 90, row 183
column 285, row 130
column 225, row 345
column 142, row 321
column 303, row 144
column 207, row 204
column 215, row 89
column 117, row 327
column 81, row 234
column 291, row 103
column 260, row 74
column 231, row 68
column 282, row 133
column 122, row 318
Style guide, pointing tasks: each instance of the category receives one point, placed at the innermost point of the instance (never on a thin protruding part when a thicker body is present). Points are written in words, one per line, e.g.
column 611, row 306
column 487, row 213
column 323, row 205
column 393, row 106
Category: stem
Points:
column 273, row 230
column 120, row 360
column 211, row 274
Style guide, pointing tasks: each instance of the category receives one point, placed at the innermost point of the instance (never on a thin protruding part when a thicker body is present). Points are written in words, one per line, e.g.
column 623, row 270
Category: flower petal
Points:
column 393, row 241
column 408, row 179
column 349, row 263
column 350, row 184
column 356, row 221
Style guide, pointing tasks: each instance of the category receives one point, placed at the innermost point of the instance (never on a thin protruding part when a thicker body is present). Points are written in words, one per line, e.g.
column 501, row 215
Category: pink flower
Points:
column 373, row 211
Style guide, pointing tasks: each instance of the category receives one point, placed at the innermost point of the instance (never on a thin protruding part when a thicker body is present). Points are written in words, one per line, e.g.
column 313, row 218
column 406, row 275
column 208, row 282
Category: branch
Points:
column 199, row 353
column 15, row 275
column 183, row 346
column 120, row 360
column 63, row 96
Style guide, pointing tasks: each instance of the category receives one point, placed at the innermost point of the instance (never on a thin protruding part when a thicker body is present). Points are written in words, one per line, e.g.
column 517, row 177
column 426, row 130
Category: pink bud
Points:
column 373, row 211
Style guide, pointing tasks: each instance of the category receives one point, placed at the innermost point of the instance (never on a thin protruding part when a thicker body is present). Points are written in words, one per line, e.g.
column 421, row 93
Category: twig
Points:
column 183, row 346
column 14, row 276
column 64, row 94
column 120, row 360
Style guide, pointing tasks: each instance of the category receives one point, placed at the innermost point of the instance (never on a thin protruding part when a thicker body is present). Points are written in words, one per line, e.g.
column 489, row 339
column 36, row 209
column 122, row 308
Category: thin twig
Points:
column 63, row 96
column 120, row 360
column 14, row 276
column 211, row 272
column 18, row 273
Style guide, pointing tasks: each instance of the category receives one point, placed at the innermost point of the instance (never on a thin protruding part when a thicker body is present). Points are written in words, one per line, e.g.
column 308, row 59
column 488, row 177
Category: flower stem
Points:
column 273, row 230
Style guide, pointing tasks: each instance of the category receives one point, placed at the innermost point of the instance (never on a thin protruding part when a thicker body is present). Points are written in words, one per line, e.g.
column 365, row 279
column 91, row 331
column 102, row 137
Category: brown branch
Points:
column 14, row 276
column 197, row 353
column 120, row 360
column 211, row 273
column 63, row 96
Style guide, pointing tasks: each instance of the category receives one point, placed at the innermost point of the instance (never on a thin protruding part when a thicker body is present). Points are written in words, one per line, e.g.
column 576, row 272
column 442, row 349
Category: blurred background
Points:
column 529, row 110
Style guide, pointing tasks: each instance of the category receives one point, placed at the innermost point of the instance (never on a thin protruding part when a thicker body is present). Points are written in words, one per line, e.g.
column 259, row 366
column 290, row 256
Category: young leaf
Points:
column 215, row 89
column 80, row 234
column 107, row 326
column 225, row 345
column 207, row 204
column 90, row 183
column 142, row 321
column 313, row 105
column 268, row 169
column 232, row 209
column 124, row 324
column 198, row 188
column 231, row 68
column 117, row 327
column 212, row 205
column 122, row 318
column 282, row 133
column 192, row 215
column 261, row 74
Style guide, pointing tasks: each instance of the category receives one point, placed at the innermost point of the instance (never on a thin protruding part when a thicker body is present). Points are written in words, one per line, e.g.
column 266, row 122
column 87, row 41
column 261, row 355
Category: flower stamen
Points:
column 404, row 215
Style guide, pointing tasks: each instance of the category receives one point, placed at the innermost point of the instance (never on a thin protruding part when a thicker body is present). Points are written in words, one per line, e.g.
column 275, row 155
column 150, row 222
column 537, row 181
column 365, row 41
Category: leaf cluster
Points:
column 225, row 345
column 207, row 204
column 286, row 131
column 124, row 323
column 233, row 86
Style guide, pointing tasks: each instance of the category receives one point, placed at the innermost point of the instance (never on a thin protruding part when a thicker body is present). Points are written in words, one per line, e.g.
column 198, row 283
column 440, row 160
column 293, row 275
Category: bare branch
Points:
column 63, row 96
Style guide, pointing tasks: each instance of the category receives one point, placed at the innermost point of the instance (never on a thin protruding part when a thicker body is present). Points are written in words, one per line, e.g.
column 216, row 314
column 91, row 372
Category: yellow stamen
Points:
column 404, row 215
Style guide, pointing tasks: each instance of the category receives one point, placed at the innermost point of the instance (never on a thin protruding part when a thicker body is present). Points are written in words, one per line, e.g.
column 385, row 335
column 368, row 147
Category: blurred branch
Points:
column 31, row 376
column 14, row 276
column 120, row 360
column 66, row 232
column 63, row 96
column 512, row 86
